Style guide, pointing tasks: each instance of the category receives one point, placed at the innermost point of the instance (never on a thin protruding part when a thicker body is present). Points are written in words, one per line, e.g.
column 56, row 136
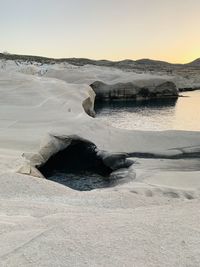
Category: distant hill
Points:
column 151, row 62
column 195, row 63
column 8, row 56
column 123, row 64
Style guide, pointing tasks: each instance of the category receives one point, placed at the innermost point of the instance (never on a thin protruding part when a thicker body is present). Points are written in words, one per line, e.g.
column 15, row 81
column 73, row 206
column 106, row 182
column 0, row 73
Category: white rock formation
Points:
column 150, row 221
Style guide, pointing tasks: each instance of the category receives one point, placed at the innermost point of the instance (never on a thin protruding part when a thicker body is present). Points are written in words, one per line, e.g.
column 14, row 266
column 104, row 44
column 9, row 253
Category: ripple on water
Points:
column 153, row 115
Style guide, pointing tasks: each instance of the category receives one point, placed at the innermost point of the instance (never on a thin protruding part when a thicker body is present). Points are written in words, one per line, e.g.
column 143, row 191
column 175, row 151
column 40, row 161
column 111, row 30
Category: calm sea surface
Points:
column 154, row 115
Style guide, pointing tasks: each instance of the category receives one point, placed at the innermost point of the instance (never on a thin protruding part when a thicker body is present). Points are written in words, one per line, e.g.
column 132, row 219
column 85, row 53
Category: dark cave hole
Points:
column 78, row 167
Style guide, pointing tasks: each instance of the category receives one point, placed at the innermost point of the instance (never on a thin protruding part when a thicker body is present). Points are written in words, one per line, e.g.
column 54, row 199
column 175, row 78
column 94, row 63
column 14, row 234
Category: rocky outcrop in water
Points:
column 152, row 88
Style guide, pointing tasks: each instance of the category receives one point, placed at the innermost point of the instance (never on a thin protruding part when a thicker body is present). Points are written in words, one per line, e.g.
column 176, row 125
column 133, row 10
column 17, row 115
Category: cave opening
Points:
column 79, row 167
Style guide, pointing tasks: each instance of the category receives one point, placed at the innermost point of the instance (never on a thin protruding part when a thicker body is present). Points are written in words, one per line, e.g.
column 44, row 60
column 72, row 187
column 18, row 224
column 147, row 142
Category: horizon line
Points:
column 96, row 59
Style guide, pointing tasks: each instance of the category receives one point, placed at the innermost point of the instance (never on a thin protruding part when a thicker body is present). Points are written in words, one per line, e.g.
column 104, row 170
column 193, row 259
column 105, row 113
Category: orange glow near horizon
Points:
column 171, row 58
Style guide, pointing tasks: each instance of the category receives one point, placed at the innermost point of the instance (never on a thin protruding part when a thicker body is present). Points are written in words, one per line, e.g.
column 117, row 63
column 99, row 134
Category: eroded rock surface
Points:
column 138, row 90
column 151, row 220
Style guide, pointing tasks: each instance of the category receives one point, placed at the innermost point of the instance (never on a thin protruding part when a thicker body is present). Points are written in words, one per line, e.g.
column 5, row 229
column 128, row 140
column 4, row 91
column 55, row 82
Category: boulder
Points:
column 139, row 89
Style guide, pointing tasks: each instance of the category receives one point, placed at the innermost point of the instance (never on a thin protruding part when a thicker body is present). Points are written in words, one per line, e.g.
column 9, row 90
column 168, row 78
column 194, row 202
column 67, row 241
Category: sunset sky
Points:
column 102, row 29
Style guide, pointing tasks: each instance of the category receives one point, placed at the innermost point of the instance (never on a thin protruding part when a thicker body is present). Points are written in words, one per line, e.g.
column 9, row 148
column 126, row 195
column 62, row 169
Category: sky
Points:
column 102, row 29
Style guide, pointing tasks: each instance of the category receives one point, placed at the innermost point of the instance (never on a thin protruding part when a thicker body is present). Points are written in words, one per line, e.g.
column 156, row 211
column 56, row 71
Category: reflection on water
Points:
column 157, row 114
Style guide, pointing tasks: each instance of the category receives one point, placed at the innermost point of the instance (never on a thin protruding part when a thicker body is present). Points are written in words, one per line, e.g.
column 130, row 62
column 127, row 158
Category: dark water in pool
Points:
column 82, row 181
column 79, row 167
column 155, row 115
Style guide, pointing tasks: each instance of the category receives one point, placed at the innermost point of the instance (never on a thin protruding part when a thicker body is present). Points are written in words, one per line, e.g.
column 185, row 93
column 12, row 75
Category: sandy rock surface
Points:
column 151, row 220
